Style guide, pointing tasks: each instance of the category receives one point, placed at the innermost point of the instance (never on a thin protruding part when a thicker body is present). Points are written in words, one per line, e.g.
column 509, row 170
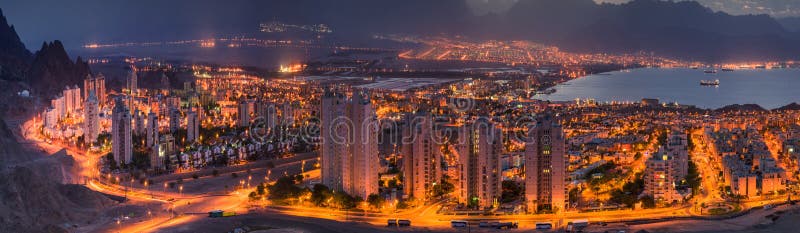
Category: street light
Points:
column 147, row 188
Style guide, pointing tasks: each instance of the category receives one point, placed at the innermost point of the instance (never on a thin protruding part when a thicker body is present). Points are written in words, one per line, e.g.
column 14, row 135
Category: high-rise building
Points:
column 422, row 164
column 678, row 148
column 91, row 118
column 246, row 108
column 167, row 150
column 139, row 122
column 59, row 105
column 121, row 137
column 96, row 84
column 268, row 113
column 287, row 113
column 332, row 134
column 72, row 98
column 156, row 154
column 545, row 166
column 659, row 181
column 152, row 129
column 666, row 168
column 174, row 119
column 349, row 144
column 132, row 80
column 479, row 149
column 364, row 149
column 192, row 126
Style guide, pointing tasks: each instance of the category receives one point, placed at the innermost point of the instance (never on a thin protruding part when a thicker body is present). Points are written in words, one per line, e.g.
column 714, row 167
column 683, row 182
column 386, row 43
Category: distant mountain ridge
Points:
column 14, row 57
column 47, row 71
column 683, row 29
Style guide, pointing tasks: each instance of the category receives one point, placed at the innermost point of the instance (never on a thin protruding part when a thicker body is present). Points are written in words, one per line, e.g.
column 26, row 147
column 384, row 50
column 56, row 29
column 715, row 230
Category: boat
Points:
column 709, row 83
column 710, row 71
column 727, row 69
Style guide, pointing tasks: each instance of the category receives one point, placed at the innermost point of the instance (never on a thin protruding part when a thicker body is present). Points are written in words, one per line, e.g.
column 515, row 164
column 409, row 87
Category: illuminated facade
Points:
column 479, row 149
column 96, row 84
column 421, row 157
column 545, row 166
column 349, row 132
column 121, row 133
column 192, row 126
column 91, row 118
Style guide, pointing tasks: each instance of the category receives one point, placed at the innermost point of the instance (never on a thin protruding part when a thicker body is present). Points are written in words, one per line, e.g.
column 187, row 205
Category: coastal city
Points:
column 406, row 133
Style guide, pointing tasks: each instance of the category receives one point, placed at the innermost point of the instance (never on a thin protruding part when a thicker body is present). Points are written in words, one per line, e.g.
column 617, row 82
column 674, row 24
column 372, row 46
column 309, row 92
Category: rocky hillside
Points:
column 30, row 202
column 32, row 199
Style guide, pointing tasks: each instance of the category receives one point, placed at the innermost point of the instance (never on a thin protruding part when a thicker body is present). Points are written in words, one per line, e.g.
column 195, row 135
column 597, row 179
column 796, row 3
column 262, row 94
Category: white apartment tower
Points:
column 91, row 118
column 96, row 84
column 122, row 146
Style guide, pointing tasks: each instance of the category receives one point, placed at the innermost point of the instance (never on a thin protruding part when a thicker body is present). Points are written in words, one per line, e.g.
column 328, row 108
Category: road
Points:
column 185, row 203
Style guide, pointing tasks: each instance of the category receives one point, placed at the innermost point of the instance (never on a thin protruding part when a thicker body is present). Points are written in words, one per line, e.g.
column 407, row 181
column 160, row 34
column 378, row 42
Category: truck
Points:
column 220, row 214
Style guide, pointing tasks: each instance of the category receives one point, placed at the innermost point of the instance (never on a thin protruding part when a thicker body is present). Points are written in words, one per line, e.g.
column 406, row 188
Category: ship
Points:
column 709, row 83
column 727, row 69
column 710, row 71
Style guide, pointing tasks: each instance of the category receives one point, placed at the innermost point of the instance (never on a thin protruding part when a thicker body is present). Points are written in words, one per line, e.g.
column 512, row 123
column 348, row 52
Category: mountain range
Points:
column 47, row 71
column 683, row 29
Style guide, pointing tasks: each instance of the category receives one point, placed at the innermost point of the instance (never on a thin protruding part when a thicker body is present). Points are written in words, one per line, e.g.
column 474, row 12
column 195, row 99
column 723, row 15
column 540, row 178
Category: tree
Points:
column 284, row 188
column 574, row 195
column 260, row 189
column 511, row 191
column 629, row 192
column 112, row 163
column 443, row 187
column 320, row 194
column 343, row 200
column 375, row 201
column 693, row 178
column 648, row 202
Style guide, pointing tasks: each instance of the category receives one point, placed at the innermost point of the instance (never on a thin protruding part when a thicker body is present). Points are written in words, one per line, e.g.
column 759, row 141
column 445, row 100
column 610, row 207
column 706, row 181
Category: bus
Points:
column 404, row 222
column 577, row 225
column 544, row 226
column 459, row 224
